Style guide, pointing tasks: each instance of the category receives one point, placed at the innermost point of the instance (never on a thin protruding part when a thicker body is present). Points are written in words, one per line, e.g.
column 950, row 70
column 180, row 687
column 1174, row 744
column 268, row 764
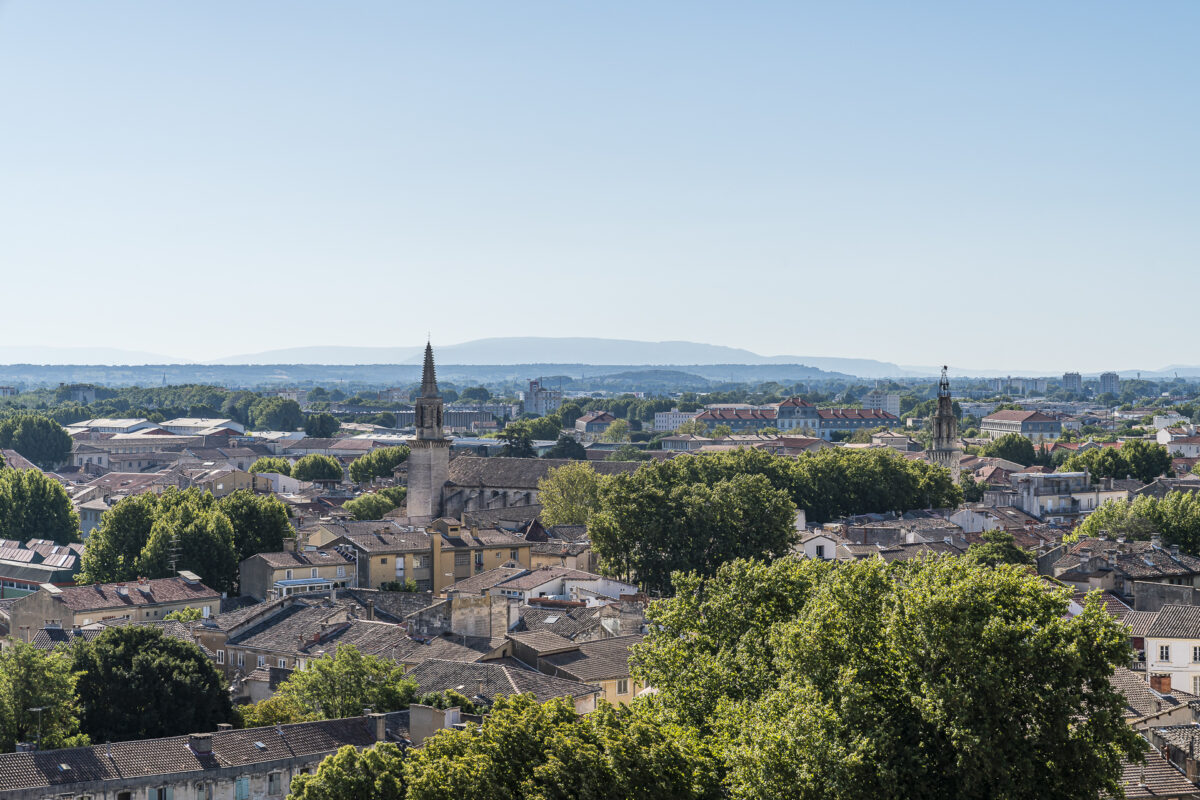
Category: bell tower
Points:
column 429, row 459
column 944, row 451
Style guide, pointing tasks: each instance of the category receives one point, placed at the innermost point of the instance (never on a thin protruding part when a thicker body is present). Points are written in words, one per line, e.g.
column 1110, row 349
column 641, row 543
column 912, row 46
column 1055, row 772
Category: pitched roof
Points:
column 568, row 623
column 1012, row 415
column 719, row 415
column 154, row 591
column 543, row 642
column 305, row 558
column 1139, row 622
column 494, row 678
column 597, row 660
column 531, row 579
column 1176, row 622
column 520, row 473
column 856, row 414
column 1157, row 777
column 1140, row 699
column 479, row 584
column 123, row 761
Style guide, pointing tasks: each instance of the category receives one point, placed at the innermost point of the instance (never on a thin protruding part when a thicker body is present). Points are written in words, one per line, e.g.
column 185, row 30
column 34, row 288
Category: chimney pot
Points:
column 1161, row 683
column 200, row 743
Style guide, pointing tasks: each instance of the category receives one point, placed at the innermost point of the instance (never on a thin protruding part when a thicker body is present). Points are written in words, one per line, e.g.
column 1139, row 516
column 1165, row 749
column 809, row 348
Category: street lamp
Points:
column 39, row 710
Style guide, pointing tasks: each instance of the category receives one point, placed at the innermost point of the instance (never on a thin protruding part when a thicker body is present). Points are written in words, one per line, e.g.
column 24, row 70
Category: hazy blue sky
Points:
column 991, row 184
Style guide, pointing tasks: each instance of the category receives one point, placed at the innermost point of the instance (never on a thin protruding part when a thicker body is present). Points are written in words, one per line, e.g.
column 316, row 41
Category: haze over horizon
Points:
column 917, row 183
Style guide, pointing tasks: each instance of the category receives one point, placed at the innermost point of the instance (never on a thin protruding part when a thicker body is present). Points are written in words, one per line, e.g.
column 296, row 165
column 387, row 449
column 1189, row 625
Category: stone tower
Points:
column 429, row 461
column 944, row 451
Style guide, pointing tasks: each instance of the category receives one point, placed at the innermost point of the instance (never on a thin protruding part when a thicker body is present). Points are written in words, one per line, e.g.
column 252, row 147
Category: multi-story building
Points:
column 1063, row 497
column 594, row 423
column 1033, row 425
column 1110, row 383
column 882, row 401
column 289, row 572
column 540, row 400
column 671, row 420
column 8, row 391
column 1072, row 382
column 136, row 601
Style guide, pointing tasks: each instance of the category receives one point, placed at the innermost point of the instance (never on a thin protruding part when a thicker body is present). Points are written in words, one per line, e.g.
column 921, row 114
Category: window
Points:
column 622, row 686
column 1196, row 654
column 1164, row 652
column 512, row 555
column 282, row 663
column 161, row 793
column 287, row 575
column 820, row 551
column 241, row 659
column 241, row 788
column 203, row 792
column 124, row 795
column 262, row 661
column 341, row 572
column 220, row 656
column 313, row 573
column 206, row 611
column 383, row 561
column 275, row 783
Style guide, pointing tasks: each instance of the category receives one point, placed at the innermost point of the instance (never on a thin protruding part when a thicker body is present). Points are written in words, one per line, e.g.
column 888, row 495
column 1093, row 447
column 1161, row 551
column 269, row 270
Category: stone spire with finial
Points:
column 429, row 374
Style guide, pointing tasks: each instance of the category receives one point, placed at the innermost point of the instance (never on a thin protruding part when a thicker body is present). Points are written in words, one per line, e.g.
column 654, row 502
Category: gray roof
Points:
column 125, row 761
column 521, row 473
column 1140, row 699
column 494, row 678
column 567, row 622
column 481, row 583
column 531, row 579
column 1157, row 777
column 543, row 641
column 597, row 660
column 1176, row 622
column 1139, row 622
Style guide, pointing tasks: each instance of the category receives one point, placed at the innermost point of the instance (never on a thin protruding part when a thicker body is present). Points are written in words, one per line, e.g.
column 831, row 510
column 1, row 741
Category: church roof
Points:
column 429, row 374
column 520, row 473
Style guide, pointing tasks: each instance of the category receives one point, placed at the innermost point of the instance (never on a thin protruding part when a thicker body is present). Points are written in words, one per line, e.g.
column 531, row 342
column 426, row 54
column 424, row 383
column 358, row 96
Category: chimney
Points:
column 333, row 594
column 200, row 743
column 224, row 726
column 1175, row 551
column 369, row 611
column 1156, row 540
column 378, row 723
column 1160, row 683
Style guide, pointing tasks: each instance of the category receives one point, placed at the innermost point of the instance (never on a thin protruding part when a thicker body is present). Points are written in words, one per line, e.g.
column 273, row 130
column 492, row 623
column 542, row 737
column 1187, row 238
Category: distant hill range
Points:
column 533, row 355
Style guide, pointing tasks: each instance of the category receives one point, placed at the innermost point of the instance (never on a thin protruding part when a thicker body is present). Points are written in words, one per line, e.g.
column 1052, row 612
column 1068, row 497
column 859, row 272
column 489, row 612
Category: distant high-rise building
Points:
column 881, row 401
column 1072, row 382
column 541, row 401
column 944, row 451
column 1110, row 383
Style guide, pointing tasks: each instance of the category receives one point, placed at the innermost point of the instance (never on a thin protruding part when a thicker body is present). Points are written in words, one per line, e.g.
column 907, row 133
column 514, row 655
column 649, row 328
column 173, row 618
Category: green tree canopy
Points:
column 518, row 443
column 33, row 506
column 136, row 683
column 40, row 439
column 369, row 506
column 527, row 751
column 376, row 773
column 272, row 464
column 344, row 683
column 135, row 537
column 1176, row 517
column 1012, row 447
column 814, row 680
column 378, row 463
column 569, row 494
column 997, row 547
column 316, row 467
column 566, row 447
column 476, row 394
column 321, row 425
column 260, row 522
column 617, row 431
column 275, row 414
column 1136, row 458
column 568, row 412
column 32, row 678
column 649, row 524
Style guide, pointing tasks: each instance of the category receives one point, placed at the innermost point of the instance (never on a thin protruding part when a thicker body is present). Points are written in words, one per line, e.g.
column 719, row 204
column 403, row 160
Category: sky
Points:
column 1005, row 185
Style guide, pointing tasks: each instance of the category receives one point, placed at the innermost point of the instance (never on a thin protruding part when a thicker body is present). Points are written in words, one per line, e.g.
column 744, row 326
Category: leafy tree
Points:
column 693, row 427
column 998, row 547
column 617, row 431
column 32, row 678
column 274, row 710
column 721, row 431
column 380, row 463
column 566, row 447
column 188, row 614
column 814, row 680
column 136, row 683
column 260, row 522
column 376, row 773
column 369, row 506
column 1176, row 517
column 972, row 490
column 546, row 427
column 321, row 425
column 568, row 412
column 518, row 443
column 135, row 538
column 275, row 414
column 569, row 494
column 476, row 394
column 1012, row 447
column 40, row 439
column 346, row 682
column 1138, row 458
column 627, row 452
column 450, row 699
column 649, row 524
column 272, row 464
column 527, row 751
column 316, row 467
column 33, row 506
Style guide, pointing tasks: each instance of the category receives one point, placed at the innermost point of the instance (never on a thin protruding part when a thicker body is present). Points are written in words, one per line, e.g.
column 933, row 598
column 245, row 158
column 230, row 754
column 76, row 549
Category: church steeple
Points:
column 429, row 374
column 945, row 429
